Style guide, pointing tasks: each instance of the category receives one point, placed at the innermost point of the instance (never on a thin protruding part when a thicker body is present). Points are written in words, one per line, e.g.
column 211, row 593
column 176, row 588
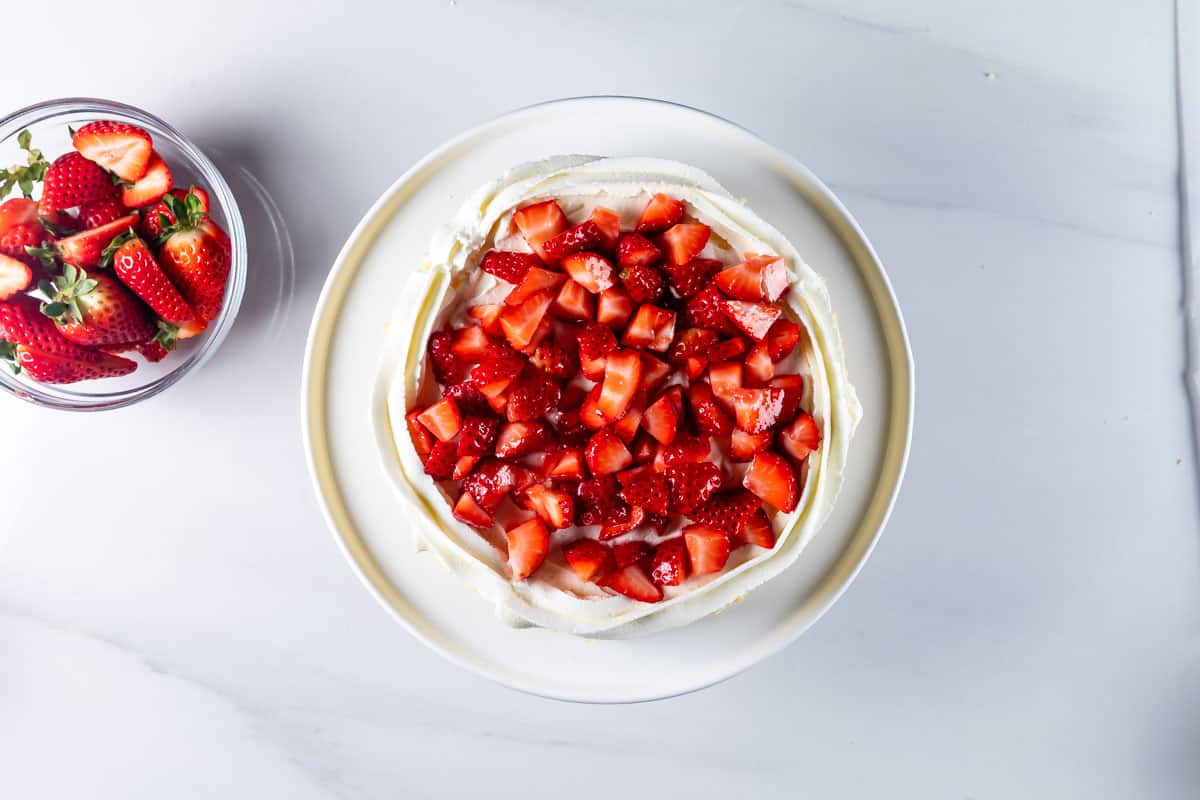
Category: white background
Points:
column 175, row 621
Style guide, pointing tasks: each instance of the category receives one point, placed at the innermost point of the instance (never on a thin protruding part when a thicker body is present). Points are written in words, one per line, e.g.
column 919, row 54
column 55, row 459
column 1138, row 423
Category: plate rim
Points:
column 313, row 416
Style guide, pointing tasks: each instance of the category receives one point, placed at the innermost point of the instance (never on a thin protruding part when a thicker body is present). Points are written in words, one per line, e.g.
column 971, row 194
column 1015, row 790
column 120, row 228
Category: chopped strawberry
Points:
column 631, row 552
column 520, row 323
column 669, row 565
column 468, row 398
column 15, row 277
column 727, row 349
column 589, row 559
column 661, row 419
column 757, row 530
column 685, row 241
column 694, row 367
column 759, row 366
column 635, row 250
column 743, row 446
column 447, row 367
column 758, row 278
column 508, row 266
column 536, row 280
column 521, row 438
column 629, row 423
column 556, row 359
column 708, row 548
column 468, row 510
column 150, row 188
column 627, row 477
column 622, row 376
column 687, row 279
column 633, row 582
column 574, row 302
column 643, row 282
column 754, row 319
column 500, row 364
column 488, row 317
column 554, row 506
column 643, row 448
column 587, row 235
column 590, row 415
column 660, row 213
column 609, row 224
column 692, row 484
column 614, row 307
column 706, row 309
column 725, row 379
column 654, row 372
column 801, row 437
column 758, row 410
column 774, row 480
column 470, row 344
column 564, row 464
column 422, row 439
column 528, row 544
column 442, row 419
column 782, row 339
column 692, row 343
column 793, row 386
column 606, row 453
column 727, row 510
column 532, row 396
column 596, row 341
column 652, row 327
column 490, row 482
column 651, row 491
column 464, row 465
column 710, row 417
column 540, row 223
column 686, row 449
column 598, row 501
column 439, row 465
column 592, row 271
column 477, row 437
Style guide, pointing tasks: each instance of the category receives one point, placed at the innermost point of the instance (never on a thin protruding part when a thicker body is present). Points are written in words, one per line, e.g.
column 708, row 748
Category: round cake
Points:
column 621, row 400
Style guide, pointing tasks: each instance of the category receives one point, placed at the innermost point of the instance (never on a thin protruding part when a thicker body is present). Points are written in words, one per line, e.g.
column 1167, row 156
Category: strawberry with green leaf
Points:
column 30, row 342
column 93, row 309
column 195, row 254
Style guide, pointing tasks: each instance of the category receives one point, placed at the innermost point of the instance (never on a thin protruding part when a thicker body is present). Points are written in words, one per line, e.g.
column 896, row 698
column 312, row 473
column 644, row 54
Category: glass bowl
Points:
column 48, row 124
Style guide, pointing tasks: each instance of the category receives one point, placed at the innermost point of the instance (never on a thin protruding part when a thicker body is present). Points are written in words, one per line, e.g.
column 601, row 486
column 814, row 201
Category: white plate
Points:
column 368, row 518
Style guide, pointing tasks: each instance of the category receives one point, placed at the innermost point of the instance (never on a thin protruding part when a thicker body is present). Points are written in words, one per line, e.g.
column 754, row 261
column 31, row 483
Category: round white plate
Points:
column 369, row 519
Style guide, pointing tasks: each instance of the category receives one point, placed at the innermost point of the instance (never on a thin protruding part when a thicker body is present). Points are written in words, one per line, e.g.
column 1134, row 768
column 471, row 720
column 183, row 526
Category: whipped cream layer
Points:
column 440, row 290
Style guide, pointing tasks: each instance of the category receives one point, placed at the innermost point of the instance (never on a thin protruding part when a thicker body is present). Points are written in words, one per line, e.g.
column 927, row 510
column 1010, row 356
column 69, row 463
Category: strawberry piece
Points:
column 661, row 419
column 743, row 446
column 725, row 379
column 490, row 482
column 774, row 480
column 606, row 453
column 685, row 241
column 595, row 341
column 614, row 307
column 660, row 213
column 782, row 339
column 633, row 582
column 627, row 426
column 528, row 544
column 669, row 565
column 50, row 367
column 654, row 373
column 652, row 327
column 793, row 390
column 692, row 484
column 119, row 147
column 477, row 437
column 539, row 223
column 536, row 280
column 540, row 334
column 422, row 439
column 757, row 530
column 440, row 463
column 592, row 271
column 689, row 278
column 17, row 211
column 622, row 376
column 589, row 559
column 73, row 180
column 520, row 322
column 651, row 491
column 574, row 302
column 488, row 317
column 598, row 501
column 643, row 282
column 759, row 366
column 801, row 437
column 468, row 398
column 626, row 553
column 754, row 319
column 706, row 309
column 15, row 277
column 155, row 182
column 158, row 217
column 564, row 464
column 627, row 477
column 507, row 265
column 685, row 450
column 727, row 349
column 86, row 248
column 554, row 506
column 631, row 519
column 587, row 235
column 643, row 448
column 609, row 223
column 711, row 419
column 556, row 360
column 521, row 438
column 590, row 415
column 758, row 278
column 500, row 365
column 727, row 510
column 464, row 465
column 470, row 344
column 447, row 367
column 708, row 548
column 442, row 419
column 468, row 510
column 635, row 250
column 101, row 212
column 758, row 410
column 535, row 394
column 692, row 343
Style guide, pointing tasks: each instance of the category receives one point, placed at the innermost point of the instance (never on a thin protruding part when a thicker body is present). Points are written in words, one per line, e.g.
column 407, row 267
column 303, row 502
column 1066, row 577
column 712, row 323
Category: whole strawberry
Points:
column 15, row 241
column 134, row 264
column 195, row 254
column 73, row 180
column 94, row 309
column 30, row 341
column 100, row 212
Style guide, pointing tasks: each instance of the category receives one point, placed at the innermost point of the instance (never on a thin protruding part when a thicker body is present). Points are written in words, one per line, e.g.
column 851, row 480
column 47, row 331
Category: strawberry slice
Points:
column 743, row 446
column 534, row 395
column 520, row 322
column 477, row 437
column 651, row 327
column 782, row 339
column 151, row 186
column 633, row 582
column 554, row 506
column 536, row 280
column 488, row 317
column 758, row 410
column 442, row 419
column 754, row 319
column 606, row 453
column 759, row 367
column 521, row 438
column 661, row 419
column 609, row 223
column 654, row 373
column 692, row 484
column 119, row 147
column 86, row 248
column 727, row 349
column 687, row 279
column 539, row 223
column 757, row 530
column 528, row 544
column 801, row 437
column 660, row 213
column 635, row 250
column 758, row 278
column 468, row 510
column 626, row 553
column 587, row 235
column 650, row 491
column 589, row 559
column 669, row 565
column 774, row 480
column 711, row 419
column 592, row 271
column 614, row 307
column 727, row 510
column 708, row 548
column 422, row 439
column 685, row 241
column 574, row 302
column 622, row 376
column 15, row 277
column 509, row 266
column 439, row 465
column 706, row 309
column 470, row 344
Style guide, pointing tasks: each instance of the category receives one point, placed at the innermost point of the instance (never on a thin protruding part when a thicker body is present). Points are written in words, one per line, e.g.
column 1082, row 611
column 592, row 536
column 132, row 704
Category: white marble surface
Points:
column 176, row 622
